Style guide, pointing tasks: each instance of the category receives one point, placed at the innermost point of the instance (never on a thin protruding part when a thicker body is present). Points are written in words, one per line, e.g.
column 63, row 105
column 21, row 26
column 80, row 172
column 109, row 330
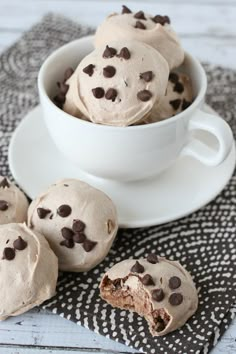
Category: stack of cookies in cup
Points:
column 132, row 77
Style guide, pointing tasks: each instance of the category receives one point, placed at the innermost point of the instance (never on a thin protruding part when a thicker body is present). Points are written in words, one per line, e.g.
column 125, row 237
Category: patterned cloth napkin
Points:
column 204, row 242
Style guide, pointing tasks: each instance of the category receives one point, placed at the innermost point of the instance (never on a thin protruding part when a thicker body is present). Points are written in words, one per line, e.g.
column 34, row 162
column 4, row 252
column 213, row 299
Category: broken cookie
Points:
column 160, row 290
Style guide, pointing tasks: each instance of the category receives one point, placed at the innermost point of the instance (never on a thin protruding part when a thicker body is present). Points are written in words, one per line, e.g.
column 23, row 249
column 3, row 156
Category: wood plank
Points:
column 227, row 344
column 180, row 2
column 37, row 350
column 214, row 50
column 7, row 38
column 45, row 330
column 42, row 329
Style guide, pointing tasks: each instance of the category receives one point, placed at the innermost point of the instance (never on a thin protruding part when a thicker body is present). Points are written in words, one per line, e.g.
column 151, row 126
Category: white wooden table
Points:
column 208, row 30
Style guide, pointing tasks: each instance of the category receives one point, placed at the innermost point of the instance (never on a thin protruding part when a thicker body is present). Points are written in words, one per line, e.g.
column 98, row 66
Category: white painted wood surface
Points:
column 207, row 27
column 208, row 30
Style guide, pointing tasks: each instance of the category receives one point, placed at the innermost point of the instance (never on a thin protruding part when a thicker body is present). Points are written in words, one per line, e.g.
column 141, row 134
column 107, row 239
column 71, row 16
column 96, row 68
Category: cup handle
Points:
column 201, row 151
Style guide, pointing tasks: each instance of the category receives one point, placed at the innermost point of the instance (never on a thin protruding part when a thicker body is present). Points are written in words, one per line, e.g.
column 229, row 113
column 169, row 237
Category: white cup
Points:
column 135, row 152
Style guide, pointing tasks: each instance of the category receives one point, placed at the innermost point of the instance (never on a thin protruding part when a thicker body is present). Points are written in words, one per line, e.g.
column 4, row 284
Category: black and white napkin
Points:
column 204, row 242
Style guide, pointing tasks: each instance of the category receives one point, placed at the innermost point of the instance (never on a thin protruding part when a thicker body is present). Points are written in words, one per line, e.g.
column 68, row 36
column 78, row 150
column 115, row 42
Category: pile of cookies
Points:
column 71, row 227
column 128, row 79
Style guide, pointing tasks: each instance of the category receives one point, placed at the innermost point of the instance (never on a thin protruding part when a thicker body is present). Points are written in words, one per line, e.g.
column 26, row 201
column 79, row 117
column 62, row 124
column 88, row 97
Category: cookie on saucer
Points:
column 28, row 270
column 13, row 203
column 160, row 290
column 79, row 222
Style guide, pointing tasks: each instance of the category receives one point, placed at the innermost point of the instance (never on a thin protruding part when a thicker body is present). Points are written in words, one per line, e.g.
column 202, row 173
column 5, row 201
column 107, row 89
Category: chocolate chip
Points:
column 174, row 282
column 4, row 183
column 89, row 69
column 109, row 52
column 175, row 299
column 173, row 77
column 124, row 53
column 137, row 268
column 63, row 88
column 59, row 98
column 178, row 87
column 64, row 210
column 3, row 205
column 110, row 226
column 161, row 324
column 42, row 213
column 140, row 25
column 31, row 225
column 144, row 95
column 57, row 102
column 152, row 258
column 67, row 233
column 67, row 243
column 89, row 245
column 117, row 284
column 147, row 76
column 167, row 19
column 8, row 253
column 19, row 244
column 66, row 185
column 78, row 226
column 111, row 94
column 161, row 19
column 185, row 104
column 140, row 15
column 98, row 92
column 109, row 71
column 175, row 103
column 79, row 238
column 158, row 295
column 158, row 19
column 147, row 280
column 68, row 73
column 125, row 10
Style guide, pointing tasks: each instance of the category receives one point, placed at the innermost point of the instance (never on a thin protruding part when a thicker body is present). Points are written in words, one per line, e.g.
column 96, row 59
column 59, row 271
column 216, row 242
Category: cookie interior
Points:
column 120, row 295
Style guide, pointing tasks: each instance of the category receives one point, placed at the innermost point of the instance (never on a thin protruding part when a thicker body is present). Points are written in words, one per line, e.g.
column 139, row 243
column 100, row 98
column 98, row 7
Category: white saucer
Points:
column 185, row 187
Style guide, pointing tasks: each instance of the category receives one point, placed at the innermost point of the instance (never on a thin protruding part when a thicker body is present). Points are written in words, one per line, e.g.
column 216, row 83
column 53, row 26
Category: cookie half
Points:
column 160, row 290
